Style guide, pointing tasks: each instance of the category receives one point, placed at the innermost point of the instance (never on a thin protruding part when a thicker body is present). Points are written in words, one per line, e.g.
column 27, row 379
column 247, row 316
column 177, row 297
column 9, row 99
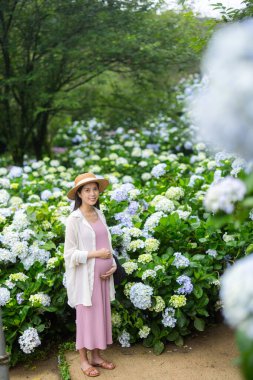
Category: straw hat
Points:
column 84, row 178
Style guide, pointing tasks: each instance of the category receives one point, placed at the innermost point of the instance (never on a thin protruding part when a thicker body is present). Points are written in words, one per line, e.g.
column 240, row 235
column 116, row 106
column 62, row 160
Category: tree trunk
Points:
column 18, row 153
column 41, row 137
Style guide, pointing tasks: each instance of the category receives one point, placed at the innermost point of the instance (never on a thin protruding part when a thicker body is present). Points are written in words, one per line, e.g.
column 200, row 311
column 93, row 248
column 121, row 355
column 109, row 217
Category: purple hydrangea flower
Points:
column 121, row 194
column 124, row 218
column 20, row 298
column 116, row 230
column 133, row 207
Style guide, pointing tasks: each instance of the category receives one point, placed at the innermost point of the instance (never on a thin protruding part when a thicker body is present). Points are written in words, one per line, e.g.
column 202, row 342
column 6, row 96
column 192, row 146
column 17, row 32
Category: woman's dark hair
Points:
column 78, row 200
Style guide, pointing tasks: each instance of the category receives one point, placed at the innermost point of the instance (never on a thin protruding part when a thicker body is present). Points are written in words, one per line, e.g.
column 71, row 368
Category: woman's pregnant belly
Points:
column 103, row 265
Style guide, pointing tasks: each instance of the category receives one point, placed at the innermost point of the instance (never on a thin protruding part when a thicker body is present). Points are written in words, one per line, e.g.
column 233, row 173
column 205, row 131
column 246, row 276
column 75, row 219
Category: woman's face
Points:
column 89, row 193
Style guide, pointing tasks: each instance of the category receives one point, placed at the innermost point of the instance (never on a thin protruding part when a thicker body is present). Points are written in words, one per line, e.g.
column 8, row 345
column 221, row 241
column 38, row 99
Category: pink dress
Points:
column 93, row 323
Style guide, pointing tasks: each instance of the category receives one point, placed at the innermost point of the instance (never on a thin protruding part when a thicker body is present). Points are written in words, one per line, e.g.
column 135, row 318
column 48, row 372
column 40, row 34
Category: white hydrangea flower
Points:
column 212, row 252
column 182, row 214
column 159, row 304
column 4, row 296
column 133, row 193
column 144, row 332
column 121, row 161
column 135, row 245
column 5, row 183
column 136, row 152
column 51, row 262
column 229, row 65
column 35, row 254
column 16, row 171
column 159, row 267
column 46, row 194
column 18, row 277
column 142, row 164
column 174, row 192
column 40, row 298
column 20, row 221
column 4, row 197
column 130, row 267
column 146, row 176
column 5, row 212
column 116, row 319
column 148, row 273
column 152, row 221
column 3, row 171
column 7, row 256
column 227, row 238
column 127, row 179
column 145, row 258
column 16, row 202
column 151, row 245
column 211, row 165
column 37, row 164
column 135, row 232
column 237, row 295
column 20, row 249
column 223, row 195
column 29, row 340
column 162, row 203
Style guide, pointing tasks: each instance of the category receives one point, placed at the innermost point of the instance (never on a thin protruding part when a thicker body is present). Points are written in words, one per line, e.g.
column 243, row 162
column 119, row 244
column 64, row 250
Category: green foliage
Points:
column 245, row 346
column 233, row 14
column 63, row 365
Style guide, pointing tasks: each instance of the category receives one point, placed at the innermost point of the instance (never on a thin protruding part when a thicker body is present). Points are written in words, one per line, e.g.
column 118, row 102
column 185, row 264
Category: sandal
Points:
column 89, row 371
column 105, row 365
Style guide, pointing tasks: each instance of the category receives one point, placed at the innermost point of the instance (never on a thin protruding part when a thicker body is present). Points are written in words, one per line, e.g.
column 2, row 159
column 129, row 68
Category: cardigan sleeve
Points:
column 114, row 262
column 72, row 255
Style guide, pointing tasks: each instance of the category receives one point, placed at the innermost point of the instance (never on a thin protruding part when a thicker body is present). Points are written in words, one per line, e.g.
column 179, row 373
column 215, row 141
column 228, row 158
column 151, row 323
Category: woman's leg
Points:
column 85, row 362
column 95, row 357
column 97, row 360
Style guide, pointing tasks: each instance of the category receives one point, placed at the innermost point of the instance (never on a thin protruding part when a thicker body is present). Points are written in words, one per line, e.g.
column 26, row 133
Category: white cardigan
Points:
column 80, row 238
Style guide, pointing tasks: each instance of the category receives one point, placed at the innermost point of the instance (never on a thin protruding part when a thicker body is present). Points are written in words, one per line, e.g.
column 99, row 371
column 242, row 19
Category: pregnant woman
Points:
column 89, row 267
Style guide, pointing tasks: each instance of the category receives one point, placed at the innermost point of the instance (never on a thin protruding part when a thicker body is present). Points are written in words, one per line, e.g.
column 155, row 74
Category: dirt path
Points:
column 207, row 356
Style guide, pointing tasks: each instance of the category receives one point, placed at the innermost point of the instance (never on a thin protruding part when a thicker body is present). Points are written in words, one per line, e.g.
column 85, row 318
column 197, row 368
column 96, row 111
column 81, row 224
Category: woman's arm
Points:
column 72, row 255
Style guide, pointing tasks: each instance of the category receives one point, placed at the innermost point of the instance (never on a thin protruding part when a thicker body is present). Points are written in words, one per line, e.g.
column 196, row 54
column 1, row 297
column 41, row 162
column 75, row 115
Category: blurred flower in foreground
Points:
column 223, row 110
column 237, row 295
column 221, row 196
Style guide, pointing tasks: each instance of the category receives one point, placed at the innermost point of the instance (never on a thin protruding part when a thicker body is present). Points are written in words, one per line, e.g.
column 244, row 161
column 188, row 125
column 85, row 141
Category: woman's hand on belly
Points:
column 103, row 253
column 108, row 273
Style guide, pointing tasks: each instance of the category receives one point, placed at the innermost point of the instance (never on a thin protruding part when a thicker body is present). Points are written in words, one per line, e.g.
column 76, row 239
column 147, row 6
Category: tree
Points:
column 50, row 48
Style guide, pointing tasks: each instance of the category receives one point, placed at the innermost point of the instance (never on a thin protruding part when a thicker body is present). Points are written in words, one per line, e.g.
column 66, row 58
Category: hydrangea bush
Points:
column 159, row 209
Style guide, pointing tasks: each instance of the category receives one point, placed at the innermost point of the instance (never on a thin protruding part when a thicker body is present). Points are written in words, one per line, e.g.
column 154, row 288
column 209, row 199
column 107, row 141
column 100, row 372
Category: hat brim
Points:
column 103, row 183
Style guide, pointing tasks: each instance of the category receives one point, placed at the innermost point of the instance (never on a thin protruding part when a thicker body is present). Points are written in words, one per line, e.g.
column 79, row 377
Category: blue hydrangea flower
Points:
column 168, row 317
column 124, row 218
column 20, row 298
column 124, row 339
column 180, row 261
column 121, row 193
column 133, row 207
column 116, row 230
column 186, row 287
column 158, row 170
column 140, row 295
